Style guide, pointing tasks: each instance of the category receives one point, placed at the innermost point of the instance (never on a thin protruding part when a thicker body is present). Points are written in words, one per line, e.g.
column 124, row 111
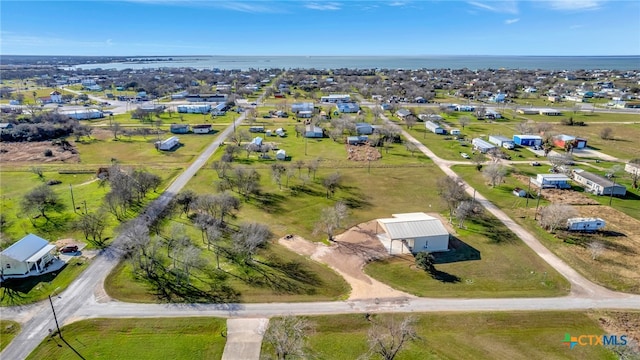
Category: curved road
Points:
column 85, row 298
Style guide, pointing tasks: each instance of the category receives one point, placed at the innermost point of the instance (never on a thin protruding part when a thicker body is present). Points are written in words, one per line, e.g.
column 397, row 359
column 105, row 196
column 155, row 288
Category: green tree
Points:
column 42, row 199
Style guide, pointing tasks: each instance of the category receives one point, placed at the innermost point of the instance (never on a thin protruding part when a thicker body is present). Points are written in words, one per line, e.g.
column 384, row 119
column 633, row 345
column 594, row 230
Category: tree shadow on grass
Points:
column 168, row 287
column 494, row 230
column 270, row 202
column 282, row 277
column 444, row 277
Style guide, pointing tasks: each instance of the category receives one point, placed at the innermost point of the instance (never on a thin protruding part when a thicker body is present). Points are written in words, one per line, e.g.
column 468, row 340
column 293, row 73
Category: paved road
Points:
column 85, row 299
column 83, row 289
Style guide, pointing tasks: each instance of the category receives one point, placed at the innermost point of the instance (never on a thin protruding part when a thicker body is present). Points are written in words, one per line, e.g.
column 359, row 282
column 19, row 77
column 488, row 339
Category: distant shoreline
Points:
column 226, row 62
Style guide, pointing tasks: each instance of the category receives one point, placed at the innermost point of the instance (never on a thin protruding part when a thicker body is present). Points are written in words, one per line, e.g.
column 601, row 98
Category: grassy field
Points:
column 513, row 335
column 179, row 338
column 27, row 291
column 277, row 275
column 506, row 268
column 614, row 270
column 8, row 330
column 623, row 146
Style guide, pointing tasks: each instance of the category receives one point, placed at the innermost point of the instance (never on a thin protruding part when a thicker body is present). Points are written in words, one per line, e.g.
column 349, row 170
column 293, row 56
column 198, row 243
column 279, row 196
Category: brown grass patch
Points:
column 30, row 152
column 362, row 153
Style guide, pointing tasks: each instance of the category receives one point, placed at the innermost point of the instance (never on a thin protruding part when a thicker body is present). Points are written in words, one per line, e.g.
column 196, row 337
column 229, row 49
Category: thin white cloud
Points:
column 573, row 27
column 508, row 7
column 575, row 4
column 332, row 6
column 248, row 6
column 398, row 3
column 511, row 21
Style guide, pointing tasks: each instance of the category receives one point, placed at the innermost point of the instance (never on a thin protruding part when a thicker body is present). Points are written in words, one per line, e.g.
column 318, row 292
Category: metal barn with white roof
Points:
column 417, row 231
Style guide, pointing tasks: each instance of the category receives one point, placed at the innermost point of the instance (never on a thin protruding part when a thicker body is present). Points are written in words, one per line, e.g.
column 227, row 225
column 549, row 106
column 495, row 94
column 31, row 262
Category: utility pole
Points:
column 55, row 317
column 612, row 189
column 535, row 216
column 73, row 202
column 528, row 191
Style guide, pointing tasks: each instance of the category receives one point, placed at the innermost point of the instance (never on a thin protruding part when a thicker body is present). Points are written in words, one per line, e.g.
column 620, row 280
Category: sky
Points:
column 313, row 28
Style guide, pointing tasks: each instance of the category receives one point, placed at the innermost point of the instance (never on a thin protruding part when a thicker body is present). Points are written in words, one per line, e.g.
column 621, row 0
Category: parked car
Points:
column 69, row 249
column 535, row 163
column 465, row 155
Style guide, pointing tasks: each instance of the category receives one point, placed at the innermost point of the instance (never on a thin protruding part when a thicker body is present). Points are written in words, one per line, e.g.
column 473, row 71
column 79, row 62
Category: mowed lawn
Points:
column 491, row 336
column 8, row 330
column 615, row 269
column 507, row 268
column 166, row 338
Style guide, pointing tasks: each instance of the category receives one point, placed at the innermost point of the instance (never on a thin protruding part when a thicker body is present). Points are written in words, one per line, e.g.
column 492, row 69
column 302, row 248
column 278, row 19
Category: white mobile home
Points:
column 503, row 141
column 585, row 224
column 194, row 109
column 418, row 231
column 433, row 127
column 201, row 128
column 335, row 98
column 168, row 144
column 597, row 184
column 30, row 254
column 85, row 114
column 551, row 181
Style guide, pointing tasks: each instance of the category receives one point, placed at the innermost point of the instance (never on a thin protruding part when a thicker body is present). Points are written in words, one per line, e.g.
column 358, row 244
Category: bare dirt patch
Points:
column 347, row 256
column 362, row 153
column 558, row 196
column 622, row 323
column 17, row 152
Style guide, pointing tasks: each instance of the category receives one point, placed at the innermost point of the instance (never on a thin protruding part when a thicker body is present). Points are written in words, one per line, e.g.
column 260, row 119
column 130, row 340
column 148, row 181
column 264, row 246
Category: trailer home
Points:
column 585, row 224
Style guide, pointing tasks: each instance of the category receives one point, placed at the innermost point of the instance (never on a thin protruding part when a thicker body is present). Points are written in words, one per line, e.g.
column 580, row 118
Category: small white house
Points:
column 585, row 224
column 312, row 131
column 168, row 144
column 418, row 231
column 455, row 131
column 85, row 114
column 30, row 254
column 201, row 128
column 433, row 127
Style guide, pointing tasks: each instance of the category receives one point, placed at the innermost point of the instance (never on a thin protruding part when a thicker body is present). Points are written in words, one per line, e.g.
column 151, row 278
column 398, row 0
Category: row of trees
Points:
column 460, row 204
column 386, row 337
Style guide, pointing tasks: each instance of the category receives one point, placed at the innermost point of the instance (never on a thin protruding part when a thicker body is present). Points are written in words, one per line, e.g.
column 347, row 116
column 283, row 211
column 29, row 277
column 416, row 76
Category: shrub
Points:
column 48, row 153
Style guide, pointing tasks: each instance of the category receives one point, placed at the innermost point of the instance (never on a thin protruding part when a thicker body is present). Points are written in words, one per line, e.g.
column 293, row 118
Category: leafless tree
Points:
column 411, row 147
column 494, row 173
column 287, row 336
column 184, row 199
column 115, row 128
column 560, row 160
column 386, row 338
column 331, row 219
column 250, row 237
column 525, row 127
column 464, row 121
column 451, row 190
column 467, row 209
column 331, row 183
column 247, row 181
column 92, row 226
column 410, row 120
column 479, row 159
column 221, row 168
column 299, row 164
column 606, row 133
column 277, row 170
column 555, row 216
column 596, row 248
column 312, row 167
